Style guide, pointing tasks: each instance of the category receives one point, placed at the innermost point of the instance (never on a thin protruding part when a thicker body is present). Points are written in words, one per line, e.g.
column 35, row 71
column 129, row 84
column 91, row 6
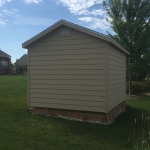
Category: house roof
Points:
column 76, row 27
column 22, row 60
column 3, row 54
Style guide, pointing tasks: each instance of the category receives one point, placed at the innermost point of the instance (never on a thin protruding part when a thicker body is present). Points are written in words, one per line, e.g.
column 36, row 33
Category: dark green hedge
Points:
column 139, row 87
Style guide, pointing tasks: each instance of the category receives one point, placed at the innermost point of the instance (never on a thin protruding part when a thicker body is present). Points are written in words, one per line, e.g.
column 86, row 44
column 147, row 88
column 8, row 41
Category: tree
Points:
column 20, row 69
column 130, row 20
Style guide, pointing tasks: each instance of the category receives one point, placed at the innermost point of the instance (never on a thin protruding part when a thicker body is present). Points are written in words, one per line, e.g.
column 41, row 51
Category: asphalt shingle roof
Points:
column 22, row 60
column 3, row 54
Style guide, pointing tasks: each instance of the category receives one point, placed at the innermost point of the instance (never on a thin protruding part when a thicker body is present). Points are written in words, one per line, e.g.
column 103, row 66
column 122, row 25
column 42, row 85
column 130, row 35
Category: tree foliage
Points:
column 130, row 20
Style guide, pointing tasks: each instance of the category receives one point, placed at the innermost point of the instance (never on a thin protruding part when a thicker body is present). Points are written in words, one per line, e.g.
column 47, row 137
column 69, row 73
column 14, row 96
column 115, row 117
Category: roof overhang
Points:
column 4, row 58
column 76, row 27
column 8, row 56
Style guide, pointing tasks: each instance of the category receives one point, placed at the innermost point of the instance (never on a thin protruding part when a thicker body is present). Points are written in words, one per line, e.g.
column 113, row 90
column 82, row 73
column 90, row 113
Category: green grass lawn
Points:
column 20, row 130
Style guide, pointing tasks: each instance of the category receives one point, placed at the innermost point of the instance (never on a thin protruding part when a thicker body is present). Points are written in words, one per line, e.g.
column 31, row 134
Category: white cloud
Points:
column 33, row 1
column 8, row 16
column 12, row 17
column 94, row 12
column 2, row 23
column 2, row 2
column 99, row 12
column 85, row 19
column 7, row 12
column 79, row 7
column 95, row 22
column 88, row 11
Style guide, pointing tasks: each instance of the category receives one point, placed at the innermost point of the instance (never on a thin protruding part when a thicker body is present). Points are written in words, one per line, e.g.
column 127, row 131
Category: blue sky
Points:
column 22, row 19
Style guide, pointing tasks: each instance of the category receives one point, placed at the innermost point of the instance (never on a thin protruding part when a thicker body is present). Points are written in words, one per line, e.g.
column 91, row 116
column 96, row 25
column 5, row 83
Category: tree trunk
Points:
column 130, row 83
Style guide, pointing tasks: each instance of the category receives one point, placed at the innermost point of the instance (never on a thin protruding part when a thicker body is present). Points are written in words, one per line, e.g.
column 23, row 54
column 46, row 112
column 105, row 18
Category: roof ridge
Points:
column 2, row 53
column 62, row 20
column 76, row 27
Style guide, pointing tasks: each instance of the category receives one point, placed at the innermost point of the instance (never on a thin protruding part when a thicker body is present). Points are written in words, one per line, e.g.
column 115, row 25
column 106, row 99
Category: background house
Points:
column 4, row 62
column 21, row 64
column 76, row 72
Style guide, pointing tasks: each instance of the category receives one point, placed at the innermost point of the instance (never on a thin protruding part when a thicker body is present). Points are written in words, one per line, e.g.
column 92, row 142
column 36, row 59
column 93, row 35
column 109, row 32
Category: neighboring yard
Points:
column 20, row 130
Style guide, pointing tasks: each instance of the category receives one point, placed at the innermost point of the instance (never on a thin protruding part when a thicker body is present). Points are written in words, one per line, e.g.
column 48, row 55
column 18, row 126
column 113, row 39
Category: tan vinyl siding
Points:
column 69, row 57
column 72, row 41
column 68, row 77
column 119, row 85
column 69, row 92
column 68, row 72
column 67, row 87
column 85, row 47
column 65, row 62
column 48, row 51
column 63, row 67
column 69, row 106
column 67, row 99
column 68, row 82
column 117, row 77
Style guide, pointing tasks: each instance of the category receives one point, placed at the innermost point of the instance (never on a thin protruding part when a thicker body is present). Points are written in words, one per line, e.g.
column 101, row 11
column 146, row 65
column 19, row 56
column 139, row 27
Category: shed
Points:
column 76, row 72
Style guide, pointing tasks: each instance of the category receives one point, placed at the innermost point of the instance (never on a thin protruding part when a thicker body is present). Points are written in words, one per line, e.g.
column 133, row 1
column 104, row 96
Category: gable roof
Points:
column 22, row 60
column 76, row 27
column 3, row 54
